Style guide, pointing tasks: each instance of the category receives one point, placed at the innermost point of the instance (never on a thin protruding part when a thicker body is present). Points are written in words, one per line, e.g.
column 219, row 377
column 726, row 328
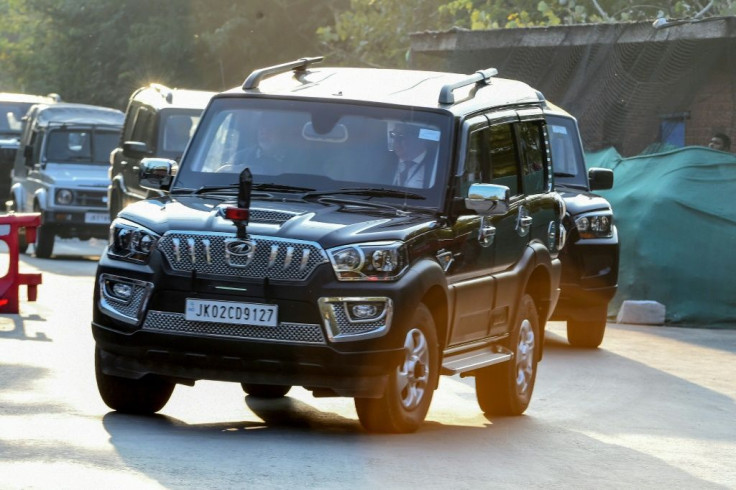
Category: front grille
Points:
column 289, row 260
column 162, row 321
column 92, row 199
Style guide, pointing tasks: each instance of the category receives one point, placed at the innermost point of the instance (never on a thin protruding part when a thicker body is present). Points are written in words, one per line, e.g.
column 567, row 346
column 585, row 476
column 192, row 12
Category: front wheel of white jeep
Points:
column 410, row 387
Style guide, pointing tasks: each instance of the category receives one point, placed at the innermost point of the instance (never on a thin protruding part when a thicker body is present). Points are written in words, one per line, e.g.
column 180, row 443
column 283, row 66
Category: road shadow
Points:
column 290, row 442
column 12, row 326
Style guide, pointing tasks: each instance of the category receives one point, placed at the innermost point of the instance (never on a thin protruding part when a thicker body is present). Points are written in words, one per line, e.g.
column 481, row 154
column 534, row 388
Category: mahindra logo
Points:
column 240, row 248
column 238, row 251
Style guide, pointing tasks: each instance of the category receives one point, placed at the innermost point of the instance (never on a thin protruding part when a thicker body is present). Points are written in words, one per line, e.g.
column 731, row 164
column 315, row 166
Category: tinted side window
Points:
column 143, row 127
column 503, row 157
column 476, row 166
column 531, row 144
column 36, row 141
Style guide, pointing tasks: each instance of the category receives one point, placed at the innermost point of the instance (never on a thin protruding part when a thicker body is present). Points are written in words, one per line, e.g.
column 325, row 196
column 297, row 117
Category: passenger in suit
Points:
column 415, row 153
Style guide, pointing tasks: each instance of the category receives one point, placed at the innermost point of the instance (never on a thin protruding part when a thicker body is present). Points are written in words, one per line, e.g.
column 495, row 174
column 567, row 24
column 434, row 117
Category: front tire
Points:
column 44, row 242
column 410, row 387
column 265, row 391
column 142, row 396
column 506, row 388
column 588, row 333
column 44, row 239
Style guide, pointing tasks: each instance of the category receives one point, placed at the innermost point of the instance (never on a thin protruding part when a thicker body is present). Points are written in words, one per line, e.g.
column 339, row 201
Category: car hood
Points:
column 327, row 224
column 579, row 201
column 77, row 175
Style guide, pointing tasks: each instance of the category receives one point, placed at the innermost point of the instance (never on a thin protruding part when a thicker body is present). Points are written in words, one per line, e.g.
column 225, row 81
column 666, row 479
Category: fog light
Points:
column 122, row 291
column 363, row 312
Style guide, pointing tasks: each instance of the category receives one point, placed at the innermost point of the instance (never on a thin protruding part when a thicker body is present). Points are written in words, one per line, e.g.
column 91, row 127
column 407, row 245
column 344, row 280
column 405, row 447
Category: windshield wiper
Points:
column 279, row 188
column 213, row 188
column 367, row 191
column 234, row 187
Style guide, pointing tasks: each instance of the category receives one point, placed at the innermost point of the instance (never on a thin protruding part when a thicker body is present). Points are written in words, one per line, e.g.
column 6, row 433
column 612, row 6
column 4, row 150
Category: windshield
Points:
column 11, row 114
column 320, row 146
column 567, row 155
column 80, row 145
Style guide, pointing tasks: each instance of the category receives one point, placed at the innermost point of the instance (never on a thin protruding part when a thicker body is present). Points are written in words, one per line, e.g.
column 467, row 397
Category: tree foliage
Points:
column 99, row 51
column 376, row 32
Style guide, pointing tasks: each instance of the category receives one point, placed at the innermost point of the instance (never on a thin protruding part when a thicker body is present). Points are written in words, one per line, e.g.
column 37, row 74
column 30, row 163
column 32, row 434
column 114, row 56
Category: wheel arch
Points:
column 40, row 199
column 435, row 299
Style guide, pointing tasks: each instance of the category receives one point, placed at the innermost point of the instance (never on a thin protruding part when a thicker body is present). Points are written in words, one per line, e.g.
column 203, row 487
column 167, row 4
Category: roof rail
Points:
column 298, row 65
column 446, row 95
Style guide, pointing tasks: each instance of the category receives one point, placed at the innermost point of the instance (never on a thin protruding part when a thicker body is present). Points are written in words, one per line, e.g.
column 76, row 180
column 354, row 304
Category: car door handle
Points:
column 526, row 221
column 486, row 234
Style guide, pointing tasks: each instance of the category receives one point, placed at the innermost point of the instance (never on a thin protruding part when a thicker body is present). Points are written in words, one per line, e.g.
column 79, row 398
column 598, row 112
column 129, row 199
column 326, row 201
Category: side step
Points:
column 475, row 359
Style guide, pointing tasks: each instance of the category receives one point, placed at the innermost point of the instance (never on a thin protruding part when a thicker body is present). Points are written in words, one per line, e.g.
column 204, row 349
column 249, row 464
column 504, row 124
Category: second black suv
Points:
column 356, row 232
column 158, row 122
column 591, row 254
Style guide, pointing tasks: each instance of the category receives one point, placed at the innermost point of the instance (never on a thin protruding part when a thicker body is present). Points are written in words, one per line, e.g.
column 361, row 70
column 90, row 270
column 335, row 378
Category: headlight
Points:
column 595, row 225
column 64, row 196
column 129, row 241
column 379, row 261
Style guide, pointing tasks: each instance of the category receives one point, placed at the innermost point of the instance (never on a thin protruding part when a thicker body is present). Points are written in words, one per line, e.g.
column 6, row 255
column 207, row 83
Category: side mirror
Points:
column 488, row 199
column 157, row 173
column 135, row 149
column 600, row 179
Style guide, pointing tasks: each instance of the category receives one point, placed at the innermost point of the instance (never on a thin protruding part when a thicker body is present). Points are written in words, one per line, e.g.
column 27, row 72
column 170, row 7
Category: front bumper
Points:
column 589, row 276
column 310, row 346
column 75, row 223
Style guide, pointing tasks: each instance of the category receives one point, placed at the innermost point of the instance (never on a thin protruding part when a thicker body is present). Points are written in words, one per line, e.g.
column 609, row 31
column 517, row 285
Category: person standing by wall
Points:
column 720, row 141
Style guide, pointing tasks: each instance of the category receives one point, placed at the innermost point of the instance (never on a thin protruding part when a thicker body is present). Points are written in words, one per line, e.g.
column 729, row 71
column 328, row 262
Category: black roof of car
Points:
column 454, row 92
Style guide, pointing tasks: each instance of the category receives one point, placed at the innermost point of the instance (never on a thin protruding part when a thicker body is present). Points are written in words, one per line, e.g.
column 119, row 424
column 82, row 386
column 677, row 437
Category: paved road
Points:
column 653, row 408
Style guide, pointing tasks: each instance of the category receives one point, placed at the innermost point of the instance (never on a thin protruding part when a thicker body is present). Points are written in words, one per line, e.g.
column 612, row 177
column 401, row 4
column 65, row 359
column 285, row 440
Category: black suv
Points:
column 356, row 232
column 158, row 122
column 591, row 253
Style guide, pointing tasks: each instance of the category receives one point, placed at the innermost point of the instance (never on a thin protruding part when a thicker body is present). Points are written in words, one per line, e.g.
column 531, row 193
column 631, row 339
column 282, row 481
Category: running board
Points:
column 475, row 359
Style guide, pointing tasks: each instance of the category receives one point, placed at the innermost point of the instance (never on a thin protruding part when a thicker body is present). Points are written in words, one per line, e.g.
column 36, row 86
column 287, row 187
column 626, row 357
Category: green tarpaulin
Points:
column 676, row 217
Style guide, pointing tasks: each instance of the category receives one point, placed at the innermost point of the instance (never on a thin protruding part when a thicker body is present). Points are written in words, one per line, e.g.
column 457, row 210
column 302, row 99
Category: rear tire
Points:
column 142, row 396
column 588, row 333
column 410, row 387
column 506, row 388
column 265, row 391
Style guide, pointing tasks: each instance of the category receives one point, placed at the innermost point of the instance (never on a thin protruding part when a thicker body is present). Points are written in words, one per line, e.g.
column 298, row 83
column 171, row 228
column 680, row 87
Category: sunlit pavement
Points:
column 652, row 408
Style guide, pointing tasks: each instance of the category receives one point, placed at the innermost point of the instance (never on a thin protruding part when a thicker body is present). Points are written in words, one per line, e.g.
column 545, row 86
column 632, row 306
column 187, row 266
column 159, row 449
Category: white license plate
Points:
column 257, row 314
column 97, row 218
